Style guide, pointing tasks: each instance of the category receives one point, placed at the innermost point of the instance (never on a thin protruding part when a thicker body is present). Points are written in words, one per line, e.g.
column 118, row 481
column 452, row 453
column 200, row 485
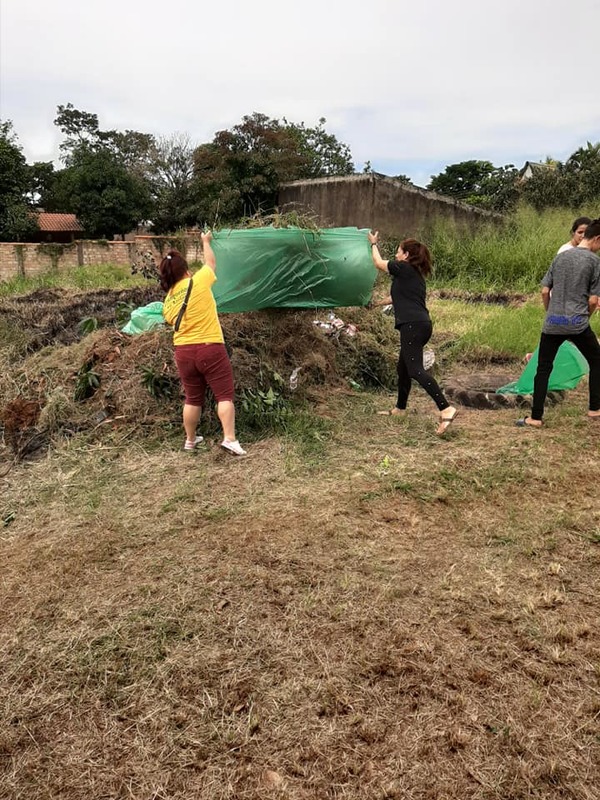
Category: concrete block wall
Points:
column 378, row 202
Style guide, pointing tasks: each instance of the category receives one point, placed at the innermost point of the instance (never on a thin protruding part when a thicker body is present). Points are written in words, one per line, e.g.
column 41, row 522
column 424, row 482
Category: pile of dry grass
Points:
column 107, row 378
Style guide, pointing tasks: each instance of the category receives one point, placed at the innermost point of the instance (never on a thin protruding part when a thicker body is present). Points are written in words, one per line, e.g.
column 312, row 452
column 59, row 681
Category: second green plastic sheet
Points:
column 569, row 368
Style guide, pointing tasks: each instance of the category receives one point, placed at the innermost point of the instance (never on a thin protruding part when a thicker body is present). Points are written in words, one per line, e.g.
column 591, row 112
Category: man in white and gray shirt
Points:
column 570, row 293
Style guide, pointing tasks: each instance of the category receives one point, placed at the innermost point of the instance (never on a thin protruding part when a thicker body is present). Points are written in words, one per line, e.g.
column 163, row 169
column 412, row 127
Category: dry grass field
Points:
column 369, row 613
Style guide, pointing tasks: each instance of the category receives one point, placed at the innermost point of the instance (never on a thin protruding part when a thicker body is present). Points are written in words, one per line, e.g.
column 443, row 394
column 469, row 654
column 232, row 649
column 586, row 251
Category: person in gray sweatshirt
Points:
column 570, row 294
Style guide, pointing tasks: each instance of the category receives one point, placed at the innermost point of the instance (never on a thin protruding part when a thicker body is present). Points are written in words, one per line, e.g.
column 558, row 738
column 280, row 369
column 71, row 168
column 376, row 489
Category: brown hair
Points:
column 419, row 256
column 580, row 221
column 172, row 268
column 592, row 230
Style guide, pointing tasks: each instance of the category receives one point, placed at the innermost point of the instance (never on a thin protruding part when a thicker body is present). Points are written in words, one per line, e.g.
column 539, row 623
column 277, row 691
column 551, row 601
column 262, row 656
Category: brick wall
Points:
column 30, row 260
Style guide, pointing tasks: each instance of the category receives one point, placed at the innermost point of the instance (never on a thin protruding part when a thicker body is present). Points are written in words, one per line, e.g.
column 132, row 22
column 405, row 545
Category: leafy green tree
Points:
column 239, row 173
column 80, row 129
column 106, row 198
column 550, row 188
column 135, row 150
column 584, row 165
column 584, row 159
column 164, row 166
column 41, row 180
column 479, row 183
column 17, row 222
column 322, row 154
column 105, row 181
column 574, row 183
column 499, row 191
column 462, row 180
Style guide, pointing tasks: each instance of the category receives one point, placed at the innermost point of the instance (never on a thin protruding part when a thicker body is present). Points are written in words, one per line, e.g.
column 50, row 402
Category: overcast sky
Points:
column 409, row 86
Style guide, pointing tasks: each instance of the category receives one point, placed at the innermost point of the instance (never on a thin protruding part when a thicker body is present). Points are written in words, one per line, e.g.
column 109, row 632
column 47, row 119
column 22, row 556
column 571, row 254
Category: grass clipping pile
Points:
column 58, row 379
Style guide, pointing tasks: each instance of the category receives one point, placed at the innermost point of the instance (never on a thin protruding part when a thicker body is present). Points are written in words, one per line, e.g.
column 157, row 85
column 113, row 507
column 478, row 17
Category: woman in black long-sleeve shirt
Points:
column 409, row 269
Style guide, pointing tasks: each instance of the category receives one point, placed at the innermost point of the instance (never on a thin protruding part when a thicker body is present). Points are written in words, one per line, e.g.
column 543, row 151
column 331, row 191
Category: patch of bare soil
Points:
column 53, row 316
column 491, row 298
column 476, row 389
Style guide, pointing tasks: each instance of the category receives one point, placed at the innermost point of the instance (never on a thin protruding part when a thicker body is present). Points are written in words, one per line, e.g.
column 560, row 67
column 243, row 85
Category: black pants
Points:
column 588, row 346
column 413, row 338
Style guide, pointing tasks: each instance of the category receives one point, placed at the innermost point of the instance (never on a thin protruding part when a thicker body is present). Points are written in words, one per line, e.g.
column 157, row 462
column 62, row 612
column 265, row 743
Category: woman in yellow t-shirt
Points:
column 200, row 352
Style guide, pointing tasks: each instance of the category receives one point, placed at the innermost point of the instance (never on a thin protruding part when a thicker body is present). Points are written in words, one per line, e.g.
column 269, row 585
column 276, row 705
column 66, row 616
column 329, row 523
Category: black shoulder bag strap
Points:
column 183, row 306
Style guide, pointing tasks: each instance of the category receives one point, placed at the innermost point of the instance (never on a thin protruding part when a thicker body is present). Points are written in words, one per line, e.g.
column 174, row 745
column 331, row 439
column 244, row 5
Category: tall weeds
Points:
column 514, row 256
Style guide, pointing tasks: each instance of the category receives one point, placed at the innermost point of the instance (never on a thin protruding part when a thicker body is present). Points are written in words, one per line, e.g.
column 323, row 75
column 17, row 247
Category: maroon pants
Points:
column 202, row 365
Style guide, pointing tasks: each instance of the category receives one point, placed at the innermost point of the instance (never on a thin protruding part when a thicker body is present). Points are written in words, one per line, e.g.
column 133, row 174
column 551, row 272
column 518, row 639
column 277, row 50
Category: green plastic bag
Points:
column 145, row 318
column 292, row 268
column 569, row 368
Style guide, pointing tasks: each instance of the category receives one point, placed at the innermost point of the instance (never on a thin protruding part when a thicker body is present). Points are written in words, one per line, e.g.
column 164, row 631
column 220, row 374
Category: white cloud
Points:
column 400, row 82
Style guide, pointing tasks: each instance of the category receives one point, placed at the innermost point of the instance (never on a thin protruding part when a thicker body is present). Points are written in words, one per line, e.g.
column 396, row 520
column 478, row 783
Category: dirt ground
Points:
column 367, row 613
column 357, row 609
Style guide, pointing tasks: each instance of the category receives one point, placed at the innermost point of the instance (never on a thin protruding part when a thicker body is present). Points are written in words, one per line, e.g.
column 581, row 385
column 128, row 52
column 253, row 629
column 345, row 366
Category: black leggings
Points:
column 413, row 338
column 588, row 346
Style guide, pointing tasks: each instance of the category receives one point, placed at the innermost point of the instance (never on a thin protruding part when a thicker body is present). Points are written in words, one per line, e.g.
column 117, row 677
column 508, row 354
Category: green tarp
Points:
column 569, row 368
column 292, row 268
column 283, row 268
column 144, row 318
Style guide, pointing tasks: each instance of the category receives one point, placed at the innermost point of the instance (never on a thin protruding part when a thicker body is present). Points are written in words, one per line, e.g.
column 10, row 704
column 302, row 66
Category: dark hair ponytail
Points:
column 419, row 256
column 172, row 269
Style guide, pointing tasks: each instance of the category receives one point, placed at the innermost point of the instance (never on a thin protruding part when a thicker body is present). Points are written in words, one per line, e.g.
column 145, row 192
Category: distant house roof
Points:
column 52, row 223
column 530, row 167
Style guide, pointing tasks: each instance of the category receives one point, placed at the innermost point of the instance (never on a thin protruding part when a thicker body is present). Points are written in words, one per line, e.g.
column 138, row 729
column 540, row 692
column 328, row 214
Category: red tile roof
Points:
column 58, row 222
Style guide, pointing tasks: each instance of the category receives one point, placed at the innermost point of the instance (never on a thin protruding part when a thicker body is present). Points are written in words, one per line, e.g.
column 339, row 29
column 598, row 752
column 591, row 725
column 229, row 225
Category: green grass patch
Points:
column 489, row 331
column 482, row 331
column 98, row 276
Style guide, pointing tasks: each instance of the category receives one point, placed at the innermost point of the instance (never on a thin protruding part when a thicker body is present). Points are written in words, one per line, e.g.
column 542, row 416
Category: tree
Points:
column 41, row 181
column 499, row 191
column 573, row 183
column 171, row 179
column 585, row 158
column 584, row 165
column 549, row 188
column 240, row 171
column 135, row 150
column 17, row 222
column 80, row 128
column 105, row 181
column 321, row 152
column 462, row 180
column 479, row 183
column 98, row 189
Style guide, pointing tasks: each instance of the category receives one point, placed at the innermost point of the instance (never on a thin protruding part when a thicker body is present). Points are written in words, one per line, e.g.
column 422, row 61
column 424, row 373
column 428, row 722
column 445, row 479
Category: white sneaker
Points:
column 192, row 445
column 234, row 447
